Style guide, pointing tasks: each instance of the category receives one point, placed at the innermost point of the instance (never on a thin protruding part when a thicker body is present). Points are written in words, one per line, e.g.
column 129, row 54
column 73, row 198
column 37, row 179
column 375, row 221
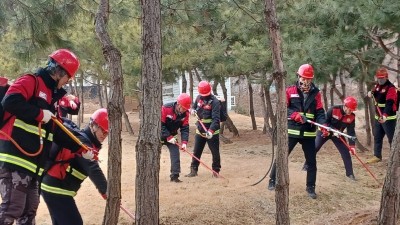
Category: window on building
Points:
column 233, row 101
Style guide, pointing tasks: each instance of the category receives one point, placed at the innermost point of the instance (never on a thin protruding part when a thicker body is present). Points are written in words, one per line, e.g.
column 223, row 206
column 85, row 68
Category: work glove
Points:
column 46, row 115
column 71, row 97
column 72, row 104
column 104, row 196
column 183, row 147
column 172, row 140
column 369, row 94
column 352, row 149
column 209, row 135
column 89, row 154
column 325, row 132
column 382, row 119
column 298, row 118
column 336, row 134
column 193, row 112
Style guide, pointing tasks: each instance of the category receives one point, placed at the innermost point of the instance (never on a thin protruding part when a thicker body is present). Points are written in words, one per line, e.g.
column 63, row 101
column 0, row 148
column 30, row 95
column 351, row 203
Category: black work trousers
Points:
column 62, row 209
column 308, row 146
column 213, row 144
column 381, row 129
column 342, row 148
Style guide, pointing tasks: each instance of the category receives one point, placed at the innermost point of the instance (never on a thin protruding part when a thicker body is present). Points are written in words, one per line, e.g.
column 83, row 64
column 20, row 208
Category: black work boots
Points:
column 311, row 192
column 193, row 172
column 271, row 185
column 175, row 179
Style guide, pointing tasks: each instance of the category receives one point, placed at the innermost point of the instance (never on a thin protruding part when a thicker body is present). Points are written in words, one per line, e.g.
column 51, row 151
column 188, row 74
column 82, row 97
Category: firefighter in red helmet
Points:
column 207, row 108
column 303, row 103
column 340, row 117
column 174, row 117
column 384, row 96
column 71, row 165
column 29, row 104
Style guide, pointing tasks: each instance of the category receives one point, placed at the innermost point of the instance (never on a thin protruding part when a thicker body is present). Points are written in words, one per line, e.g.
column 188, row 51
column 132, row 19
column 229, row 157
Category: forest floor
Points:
column 207, row 200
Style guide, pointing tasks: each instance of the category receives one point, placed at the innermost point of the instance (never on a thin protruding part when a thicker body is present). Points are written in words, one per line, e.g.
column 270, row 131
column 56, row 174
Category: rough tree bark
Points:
column 324, row 91
column 268, row 101
column 342, row 84
column 184, row 82
column 282, row 175
column 228, row 123
column 389, row 209
column 113, row 58
column 191, row 84
column 148, row 145
column 251, row 104
column 100, row 93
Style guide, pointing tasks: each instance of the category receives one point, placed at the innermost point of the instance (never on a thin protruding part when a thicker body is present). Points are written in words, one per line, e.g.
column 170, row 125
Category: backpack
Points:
column 4, row 86
column 3, row 89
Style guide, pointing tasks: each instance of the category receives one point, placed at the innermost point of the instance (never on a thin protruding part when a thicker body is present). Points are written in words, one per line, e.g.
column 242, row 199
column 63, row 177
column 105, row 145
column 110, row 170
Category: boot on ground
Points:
column 193, row 172
column 311, row 192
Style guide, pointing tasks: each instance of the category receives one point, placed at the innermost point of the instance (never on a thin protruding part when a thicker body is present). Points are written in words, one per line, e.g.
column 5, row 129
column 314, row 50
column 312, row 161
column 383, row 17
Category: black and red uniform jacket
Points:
column 171, row 122
column 69, row 169
column 23, row 105
column 311, row 107
column 386, row 97
column 208, row 111
column 336, row 118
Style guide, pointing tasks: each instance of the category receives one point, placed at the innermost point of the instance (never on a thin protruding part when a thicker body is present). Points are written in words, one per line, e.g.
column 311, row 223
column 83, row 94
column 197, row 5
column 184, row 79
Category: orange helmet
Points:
column 66, row 60
column 351, row 103
column 204, row 88
column 184, row 100
column 306, row 71
column 100, row 117
column 381, row 73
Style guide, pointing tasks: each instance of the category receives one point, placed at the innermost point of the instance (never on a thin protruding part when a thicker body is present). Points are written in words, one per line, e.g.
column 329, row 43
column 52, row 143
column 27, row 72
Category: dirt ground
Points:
column 207, row 200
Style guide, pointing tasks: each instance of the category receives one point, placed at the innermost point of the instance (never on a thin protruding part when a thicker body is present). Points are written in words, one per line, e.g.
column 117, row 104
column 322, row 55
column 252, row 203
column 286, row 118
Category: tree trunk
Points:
column 367, row 109
column 113, row 58
column 251, row 104
column 105, row 91
column 148, row 146
column 282, row 175
column 324, row 91
column 267, row 126
column 228, row 123
column 82, row 109
column 184, row 82
column 389, row 209
column 191, row 84
column 342, row 84
column 197, row 74
column 331, row 91
column 268, row 101
column 127, row 123
column 99, row 93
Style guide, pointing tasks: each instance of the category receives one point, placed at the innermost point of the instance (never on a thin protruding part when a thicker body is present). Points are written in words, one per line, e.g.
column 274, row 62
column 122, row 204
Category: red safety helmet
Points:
column 351, row 103
column 381, row 73
column 100, row 117
column 204, row 88
column 67, row 60
column 306, row 71
column 184, row 100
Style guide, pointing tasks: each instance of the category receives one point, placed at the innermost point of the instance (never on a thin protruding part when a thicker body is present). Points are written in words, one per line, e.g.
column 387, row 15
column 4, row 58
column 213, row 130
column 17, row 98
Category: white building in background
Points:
column 172, row 90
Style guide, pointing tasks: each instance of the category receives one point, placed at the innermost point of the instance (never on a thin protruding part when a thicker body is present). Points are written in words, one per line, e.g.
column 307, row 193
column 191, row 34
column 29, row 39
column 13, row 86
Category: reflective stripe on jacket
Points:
column 23, row 105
